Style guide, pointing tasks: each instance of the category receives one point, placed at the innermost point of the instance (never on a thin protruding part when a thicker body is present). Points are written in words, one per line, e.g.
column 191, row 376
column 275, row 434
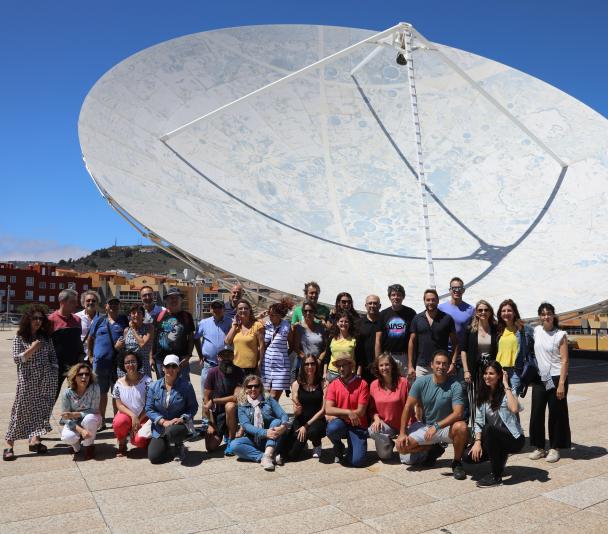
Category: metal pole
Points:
column 8, row 301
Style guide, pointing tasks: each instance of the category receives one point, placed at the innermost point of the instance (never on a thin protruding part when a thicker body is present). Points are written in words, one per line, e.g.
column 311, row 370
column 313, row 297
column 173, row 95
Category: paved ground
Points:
column 213, row 493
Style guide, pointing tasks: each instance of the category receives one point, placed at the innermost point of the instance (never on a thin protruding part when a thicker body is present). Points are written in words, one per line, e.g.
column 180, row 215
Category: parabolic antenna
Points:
column 282, row 154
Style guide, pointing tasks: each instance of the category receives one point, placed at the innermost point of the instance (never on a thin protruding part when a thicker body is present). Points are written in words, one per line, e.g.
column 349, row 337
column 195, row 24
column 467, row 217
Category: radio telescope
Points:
column 282, row 154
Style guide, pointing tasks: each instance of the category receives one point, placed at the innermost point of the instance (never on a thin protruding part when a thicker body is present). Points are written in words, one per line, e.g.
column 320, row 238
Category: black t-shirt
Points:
column 171, row 333
column 395, row 327
column 223, row 385
column 367, row 338
column 431, row 338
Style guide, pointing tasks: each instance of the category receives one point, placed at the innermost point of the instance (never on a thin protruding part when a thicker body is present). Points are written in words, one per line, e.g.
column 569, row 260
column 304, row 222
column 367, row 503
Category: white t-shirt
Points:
column 546, row 349
column 133, row 397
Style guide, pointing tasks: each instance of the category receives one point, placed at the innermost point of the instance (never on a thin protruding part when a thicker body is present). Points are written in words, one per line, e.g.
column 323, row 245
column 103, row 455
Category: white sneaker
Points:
column 537, row 454
column 278, row 460
column 267, row 463
column 181, row 454
column 316, row 451
column 553, row 456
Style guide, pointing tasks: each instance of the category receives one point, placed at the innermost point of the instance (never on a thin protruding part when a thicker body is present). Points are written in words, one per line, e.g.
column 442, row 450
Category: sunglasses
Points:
column 252, row 386
column 310, row 364
column 171, row 366
column 457, row 289
column 37, row 318
column 483, row 310
column 84, row 375
column 346, row 302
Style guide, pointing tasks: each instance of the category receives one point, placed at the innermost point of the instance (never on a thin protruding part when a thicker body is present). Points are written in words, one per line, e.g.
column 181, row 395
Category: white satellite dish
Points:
column 282, row 154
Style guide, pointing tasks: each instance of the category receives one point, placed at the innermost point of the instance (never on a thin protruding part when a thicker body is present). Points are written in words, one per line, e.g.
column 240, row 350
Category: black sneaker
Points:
column 489, row 481
column 433, row 453
column 458, row 470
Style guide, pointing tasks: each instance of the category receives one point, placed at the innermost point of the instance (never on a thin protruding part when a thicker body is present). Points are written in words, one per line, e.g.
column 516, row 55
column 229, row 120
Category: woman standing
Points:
column 515, row 343
column 551, row 349
column 263, row 421
column 80, row 410
column 308, row 407
column 130, row 395
column 36, row 362
column 342, row 340
column 171, row 405
column 138, row 337
column 310, row 336
column 344, row 303
column 479, row 350
column 388, row 394
column 247, row 336
column 497, row 429
column 275, row 364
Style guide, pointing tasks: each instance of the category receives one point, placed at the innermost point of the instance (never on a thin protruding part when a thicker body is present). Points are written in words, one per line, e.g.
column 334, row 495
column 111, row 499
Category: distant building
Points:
column 37, row 283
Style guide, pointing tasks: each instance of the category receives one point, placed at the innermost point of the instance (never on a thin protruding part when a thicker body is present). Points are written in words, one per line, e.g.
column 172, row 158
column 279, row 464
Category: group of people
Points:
column 412, row 382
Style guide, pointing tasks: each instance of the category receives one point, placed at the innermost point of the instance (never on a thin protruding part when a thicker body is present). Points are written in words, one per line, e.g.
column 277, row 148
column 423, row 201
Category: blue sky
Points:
column 52, row 53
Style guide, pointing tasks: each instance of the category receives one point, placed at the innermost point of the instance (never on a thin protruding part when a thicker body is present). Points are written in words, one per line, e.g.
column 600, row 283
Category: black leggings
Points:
column 292, row 447
column 159, row 448
column 559, row 423
column 497, row 443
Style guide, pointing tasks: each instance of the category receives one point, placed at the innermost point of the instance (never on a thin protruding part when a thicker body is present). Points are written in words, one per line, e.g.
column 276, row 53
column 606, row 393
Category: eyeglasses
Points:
column 457, row 289
column 84, row 375
column 171, row 366
column 37, row 318
column 131, row 362
column 252, row 386
column 310, row 364
column 483, row 310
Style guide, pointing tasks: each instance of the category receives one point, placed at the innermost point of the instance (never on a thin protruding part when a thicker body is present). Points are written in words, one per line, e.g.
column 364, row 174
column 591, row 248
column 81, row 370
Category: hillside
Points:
column 135, row 259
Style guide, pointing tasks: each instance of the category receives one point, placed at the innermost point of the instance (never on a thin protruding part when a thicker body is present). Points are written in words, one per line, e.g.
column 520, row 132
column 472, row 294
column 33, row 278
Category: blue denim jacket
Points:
column 270, row 410
column 525, row 341
column 182, row 403
column 510, row 419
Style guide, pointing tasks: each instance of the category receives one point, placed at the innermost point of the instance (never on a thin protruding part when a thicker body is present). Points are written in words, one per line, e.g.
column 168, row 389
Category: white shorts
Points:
column 417, row 430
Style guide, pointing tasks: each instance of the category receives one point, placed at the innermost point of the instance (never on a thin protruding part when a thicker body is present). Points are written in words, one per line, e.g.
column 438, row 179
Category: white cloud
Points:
column 12, row 248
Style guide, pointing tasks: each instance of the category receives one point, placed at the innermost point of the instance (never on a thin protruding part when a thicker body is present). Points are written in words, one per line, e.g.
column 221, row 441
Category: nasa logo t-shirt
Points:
column 395, row 326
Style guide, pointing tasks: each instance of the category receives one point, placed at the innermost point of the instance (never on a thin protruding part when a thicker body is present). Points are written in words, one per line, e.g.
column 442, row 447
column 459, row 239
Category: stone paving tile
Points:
column 345, row 491
column 126, row 494
column 353, row 528
column 183, row 522
column 417, row 519
column 583, row 521
column 130, row 477
column 519, row 517
column 83, row 521
column 301, row 522
column 483, row 500
column 582, row 494
column 600, row 508
column 45, row 505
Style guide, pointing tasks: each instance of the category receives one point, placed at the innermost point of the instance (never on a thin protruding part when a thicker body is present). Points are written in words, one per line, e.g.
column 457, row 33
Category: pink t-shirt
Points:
column 389, row 404
column 349, row 397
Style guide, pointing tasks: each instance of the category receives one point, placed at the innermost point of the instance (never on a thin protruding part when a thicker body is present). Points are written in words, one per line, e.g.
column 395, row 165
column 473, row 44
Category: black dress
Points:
column 311, row 402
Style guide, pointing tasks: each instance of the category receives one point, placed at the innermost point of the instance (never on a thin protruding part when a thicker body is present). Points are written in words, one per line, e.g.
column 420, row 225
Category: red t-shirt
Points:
column 349, row 397
column 61, row 321
column 389, row 404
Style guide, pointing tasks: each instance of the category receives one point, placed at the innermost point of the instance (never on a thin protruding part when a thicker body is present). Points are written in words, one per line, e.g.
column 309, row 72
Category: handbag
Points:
column 145, row 431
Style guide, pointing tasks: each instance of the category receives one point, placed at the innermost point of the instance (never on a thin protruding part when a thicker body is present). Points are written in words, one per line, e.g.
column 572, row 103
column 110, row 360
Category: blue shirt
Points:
column 182, row 403
column 437, row 400
column 510, row 419
column 213, row 333
column 105, row 336
column 462, row 315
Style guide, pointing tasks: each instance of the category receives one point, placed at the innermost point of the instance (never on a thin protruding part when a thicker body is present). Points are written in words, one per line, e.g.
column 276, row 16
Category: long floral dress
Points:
column 36, row 385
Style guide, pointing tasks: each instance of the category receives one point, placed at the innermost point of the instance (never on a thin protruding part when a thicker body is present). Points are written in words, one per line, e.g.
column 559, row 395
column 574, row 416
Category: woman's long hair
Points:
column 335, row 331
column 485, row 393
column 242, row 394
column 318, row 376
column 517, row 322
column 25, row 325
column 491, row 317
column 395, row 374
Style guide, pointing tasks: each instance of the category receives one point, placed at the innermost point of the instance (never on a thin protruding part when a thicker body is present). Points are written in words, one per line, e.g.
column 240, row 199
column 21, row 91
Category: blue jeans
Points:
column 246, row 448
column 356, row 438
column 514, row 380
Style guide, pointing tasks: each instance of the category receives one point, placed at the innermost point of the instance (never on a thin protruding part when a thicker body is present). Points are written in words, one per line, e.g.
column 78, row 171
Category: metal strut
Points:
column 422, row 187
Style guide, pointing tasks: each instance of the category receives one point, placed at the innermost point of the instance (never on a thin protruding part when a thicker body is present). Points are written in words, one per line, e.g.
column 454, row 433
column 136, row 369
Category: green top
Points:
column 322, row 314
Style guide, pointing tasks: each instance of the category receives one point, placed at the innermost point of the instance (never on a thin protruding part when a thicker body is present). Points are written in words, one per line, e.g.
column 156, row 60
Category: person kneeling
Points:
column 264, row 423
column 497, row 429
column 170, row 405
column 221, row 388
column 442, row 401
column 346, row 411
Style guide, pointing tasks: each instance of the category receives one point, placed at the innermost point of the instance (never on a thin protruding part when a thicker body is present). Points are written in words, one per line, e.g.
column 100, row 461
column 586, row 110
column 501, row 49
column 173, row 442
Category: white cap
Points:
column 171, row 358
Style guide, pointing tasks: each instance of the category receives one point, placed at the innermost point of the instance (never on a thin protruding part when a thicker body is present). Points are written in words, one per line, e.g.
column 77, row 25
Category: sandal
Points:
column 38, row 448
column 8, row 455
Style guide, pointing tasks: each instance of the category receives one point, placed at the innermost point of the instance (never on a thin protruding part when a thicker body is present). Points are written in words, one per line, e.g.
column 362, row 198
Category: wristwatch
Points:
column 437, row 427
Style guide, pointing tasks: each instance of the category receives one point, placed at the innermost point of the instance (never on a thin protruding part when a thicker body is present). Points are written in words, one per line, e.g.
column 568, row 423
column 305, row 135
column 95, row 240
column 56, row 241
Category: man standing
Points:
column 173, row 334
column 104, row 341
column 220, row 404
column 442, row 400
column 462, row 313
column 146, row 293
column 88, row 300
column 367, row 327
column 311, row 294
column 432, row 330
column 394, row 331
column 346, row 411
column 66, row 335
column 236, row 294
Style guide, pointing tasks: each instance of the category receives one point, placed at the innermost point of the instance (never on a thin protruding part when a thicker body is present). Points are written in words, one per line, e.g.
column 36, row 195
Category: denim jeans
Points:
column 246, row 448
column 356, row 438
